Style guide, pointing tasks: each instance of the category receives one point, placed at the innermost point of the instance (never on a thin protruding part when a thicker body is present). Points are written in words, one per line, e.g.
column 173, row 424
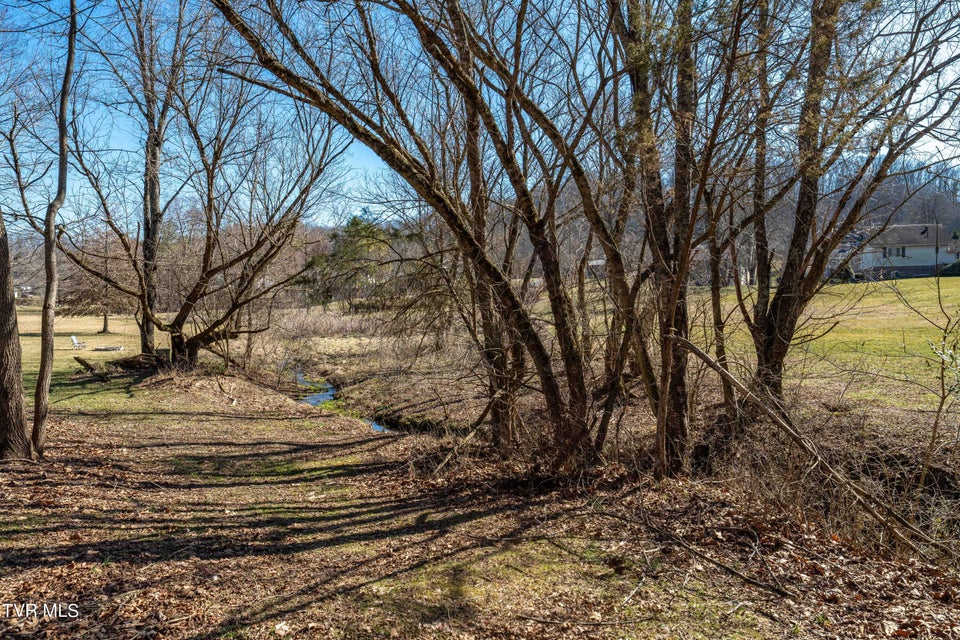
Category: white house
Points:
column 908, row 250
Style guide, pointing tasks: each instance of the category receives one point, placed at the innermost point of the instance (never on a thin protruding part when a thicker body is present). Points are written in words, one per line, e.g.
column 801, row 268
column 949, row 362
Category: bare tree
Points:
column 587, row 122
column 878, row 82
column 518, row 153
column 84, row 294
column 251, row 169
column 27, row 179
column 142, row 49
column 41, row 402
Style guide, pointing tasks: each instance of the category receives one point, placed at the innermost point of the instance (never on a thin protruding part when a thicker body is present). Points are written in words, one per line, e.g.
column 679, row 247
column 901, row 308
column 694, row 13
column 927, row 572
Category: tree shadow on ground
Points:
column 179, row 516
column 70, row 386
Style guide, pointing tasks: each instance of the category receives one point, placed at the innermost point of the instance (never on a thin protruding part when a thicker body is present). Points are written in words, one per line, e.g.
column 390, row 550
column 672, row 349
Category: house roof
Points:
column 913, row 235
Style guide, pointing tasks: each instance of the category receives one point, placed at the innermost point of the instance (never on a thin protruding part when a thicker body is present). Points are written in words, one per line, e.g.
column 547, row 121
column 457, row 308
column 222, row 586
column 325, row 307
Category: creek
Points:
column 325, row 392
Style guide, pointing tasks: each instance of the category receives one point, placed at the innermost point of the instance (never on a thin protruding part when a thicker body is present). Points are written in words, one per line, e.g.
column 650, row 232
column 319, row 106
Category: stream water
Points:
column 325, row 393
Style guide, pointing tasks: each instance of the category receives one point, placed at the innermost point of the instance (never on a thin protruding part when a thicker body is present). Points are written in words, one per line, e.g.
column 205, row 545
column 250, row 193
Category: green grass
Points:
column 877, row 319
column 880, row 330
column 873, row 336
column 81, row 394
column 879, row 342
column 881, row 327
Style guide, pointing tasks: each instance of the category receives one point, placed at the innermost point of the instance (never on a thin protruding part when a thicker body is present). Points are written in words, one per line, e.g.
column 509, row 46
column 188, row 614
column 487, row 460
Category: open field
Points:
column 871, row 330
column 870, row 376
column 857, row 342
column 64, row 389
column 884, row 327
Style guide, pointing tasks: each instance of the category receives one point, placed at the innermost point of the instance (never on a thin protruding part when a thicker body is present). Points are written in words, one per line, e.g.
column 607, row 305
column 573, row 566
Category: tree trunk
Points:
column 723, row 432
column 502, row 410
column 183, row 351
column 41, row 405
column 775, row 330
column 106, row 323
column 248, row 339
column 673, row 421
column 14, row 437
column 41, row 398
column 671, row 272
column 719, row 326
column 152, row 218
column 761, row 122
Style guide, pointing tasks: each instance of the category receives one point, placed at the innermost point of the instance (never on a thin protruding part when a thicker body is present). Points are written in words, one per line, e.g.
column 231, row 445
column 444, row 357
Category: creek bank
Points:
column 386, row 420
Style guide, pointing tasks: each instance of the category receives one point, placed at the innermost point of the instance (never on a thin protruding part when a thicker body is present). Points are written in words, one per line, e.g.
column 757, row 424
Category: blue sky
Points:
column 362, row 159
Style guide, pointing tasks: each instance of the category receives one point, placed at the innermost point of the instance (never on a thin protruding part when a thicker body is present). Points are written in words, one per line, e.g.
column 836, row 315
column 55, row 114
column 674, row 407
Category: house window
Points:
column 894, row 252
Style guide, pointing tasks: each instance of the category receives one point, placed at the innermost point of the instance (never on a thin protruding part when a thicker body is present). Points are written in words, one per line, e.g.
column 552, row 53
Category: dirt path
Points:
column 187, row 513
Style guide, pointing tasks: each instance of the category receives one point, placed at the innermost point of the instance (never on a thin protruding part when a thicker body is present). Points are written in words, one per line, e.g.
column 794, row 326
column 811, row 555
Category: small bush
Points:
column 951, row 270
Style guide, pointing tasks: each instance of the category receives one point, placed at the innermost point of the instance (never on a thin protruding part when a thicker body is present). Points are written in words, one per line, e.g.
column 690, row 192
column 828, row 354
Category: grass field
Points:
column 871, row 338
column 878, row 334
column 67, row 393
column 886, row 321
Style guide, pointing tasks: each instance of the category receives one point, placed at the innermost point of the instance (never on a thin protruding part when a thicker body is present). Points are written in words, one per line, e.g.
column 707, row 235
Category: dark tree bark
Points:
column 156, row 102
column 496, row 352
column 14, row 435
column 668, row 223
column 785, row 308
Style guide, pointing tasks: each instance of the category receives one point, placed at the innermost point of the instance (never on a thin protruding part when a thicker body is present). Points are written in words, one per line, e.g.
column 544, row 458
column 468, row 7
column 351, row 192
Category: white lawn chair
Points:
column 77, row 344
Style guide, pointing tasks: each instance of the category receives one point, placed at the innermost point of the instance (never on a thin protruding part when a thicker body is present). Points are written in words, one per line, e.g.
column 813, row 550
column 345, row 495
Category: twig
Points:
column 890, row 518
column 634, row 592
column 233, row 401
column 454, row 451
column 474, row 428
column 646, row 522
column 766, row 614
column 757, row 549
column 736, row 608
column 763, row 559
column 587, row 623
column 28, row 460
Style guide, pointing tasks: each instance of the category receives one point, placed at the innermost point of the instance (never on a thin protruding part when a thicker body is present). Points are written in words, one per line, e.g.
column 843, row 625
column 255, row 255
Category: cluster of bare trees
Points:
column 227, row 172
column 181, row 174
column 533, row 144
column 643, row 134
